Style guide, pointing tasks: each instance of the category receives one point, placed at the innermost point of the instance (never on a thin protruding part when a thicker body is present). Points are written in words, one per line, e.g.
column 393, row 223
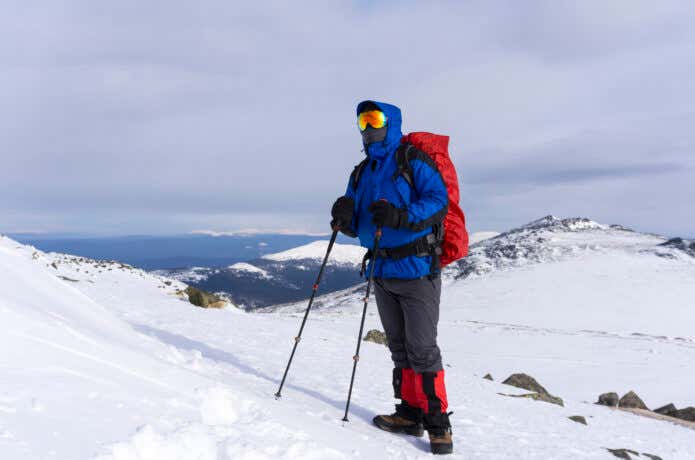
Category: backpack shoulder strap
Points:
column 357, row 172
column 403, row 155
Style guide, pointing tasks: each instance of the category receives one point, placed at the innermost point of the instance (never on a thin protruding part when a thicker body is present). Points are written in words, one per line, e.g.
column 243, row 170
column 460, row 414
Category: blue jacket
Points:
column 425, row 203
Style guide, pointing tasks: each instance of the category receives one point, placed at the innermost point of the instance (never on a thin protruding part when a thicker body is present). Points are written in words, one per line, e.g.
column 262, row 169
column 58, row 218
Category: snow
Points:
column 188, row 275
column 248, row 268
column 477, row 237
column 115, row 366
column 340, row 254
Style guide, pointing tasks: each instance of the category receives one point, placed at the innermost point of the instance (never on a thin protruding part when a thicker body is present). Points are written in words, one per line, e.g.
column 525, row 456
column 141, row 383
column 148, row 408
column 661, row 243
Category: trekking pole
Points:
column 370, row 280
column 306, row 313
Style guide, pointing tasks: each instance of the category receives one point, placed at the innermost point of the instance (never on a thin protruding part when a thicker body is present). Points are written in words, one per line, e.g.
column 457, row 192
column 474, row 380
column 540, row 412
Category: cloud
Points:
column 566, row 175
column 152, row 117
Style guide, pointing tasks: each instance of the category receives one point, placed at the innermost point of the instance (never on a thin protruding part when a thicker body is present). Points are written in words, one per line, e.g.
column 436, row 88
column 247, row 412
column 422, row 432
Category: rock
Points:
column 376, row 336
column 168, row 283
column 545, row 397
column 525, row 382
column 488, row 377
column 687, row 414
column 578, row 419
column 668, row 409
column 623, row 453
column 633, row 401
column 609, row 399
column 687, row 246
column 651, row 456
column 203, row 299
column 65, row 278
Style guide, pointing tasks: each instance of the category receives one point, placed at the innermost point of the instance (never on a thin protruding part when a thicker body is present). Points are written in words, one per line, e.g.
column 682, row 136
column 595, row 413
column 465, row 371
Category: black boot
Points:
column 406, row 419
column 438, row 427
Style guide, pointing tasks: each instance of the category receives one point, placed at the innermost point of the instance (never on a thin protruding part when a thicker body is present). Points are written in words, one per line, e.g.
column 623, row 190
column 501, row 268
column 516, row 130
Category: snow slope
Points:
column 248, row 268
column 340, row 253
column 114, row 366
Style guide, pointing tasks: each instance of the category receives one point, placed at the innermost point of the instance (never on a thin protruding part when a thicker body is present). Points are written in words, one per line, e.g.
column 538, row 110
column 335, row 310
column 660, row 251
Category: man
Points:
column 406, row 272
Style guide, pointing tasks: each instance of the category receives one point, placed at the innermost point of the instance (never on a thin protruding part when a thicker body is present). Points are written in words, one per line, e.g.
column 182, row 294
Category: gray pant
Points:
column 409, row 311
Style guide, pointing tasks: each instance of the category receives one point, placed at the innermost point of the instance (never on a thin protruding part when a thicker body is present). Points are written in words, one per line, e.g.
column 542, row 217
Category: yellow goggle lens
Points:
column 373, row 118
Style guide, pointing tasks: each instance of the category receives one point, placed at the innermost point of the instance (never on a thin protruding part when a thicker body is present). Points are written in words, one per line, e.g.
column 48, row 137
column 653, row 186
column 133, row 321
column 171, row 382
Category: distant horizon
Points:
column 282, row 232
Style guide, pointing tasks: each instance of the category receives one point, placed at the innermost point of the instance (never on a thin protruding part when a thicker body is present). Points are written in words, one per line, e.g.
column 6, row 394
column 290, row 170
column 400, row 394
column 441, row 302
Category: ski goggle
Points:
column 373, row 118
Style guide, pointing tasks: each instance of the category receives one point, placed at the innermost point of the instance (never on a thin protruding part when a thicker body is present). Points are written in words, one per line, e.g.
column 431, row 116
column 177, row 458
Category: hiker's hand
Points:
column 342, row 213
column 384, row 214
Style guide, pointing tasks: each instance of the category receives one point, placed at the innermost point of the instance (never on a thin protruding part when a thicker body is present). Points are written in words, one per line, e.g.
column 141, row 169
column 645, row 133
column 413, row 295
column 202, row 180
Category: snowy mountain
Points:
column 551, row 239
column 280, row 277
column 104, row 361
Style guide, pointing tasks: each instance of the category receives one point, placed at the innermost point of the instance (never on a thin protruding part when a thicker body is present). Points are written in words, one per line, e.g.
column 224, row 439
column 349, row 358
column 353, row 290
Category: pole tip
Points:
column 278, row 395
column 345, row 419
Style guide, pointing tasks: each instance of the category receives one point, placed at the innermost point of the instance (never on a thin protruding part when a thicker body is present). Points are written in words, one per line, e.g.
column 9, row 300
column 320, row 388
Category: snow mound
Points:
column 248, row 268
column 212, row 443
column 340, row 254
column 232, row 428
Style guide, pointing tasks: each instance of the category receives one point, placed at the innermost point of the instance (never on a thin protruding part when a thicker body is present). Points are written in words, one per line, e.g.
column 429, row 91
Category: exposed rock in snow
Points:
column 632, row 401
column 609, row 399
column 578, row 419
column 623, row 453
column 526, row 382
column 668, row 409
column 685, row 414
column 376, row 336
column 203, row 299
column 687, row 246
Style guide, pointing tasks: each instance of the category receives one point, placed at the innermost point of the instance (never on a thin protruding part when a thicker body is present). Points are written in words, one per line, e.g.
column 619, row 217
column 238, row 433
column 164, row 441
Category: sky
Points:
column 130, row 117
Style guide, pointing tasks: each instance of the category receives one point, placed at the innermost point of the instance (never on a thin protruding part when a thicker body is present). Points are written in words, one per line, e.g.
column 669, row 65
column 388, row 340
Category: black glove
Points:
column 384, row 214
column 342, row 213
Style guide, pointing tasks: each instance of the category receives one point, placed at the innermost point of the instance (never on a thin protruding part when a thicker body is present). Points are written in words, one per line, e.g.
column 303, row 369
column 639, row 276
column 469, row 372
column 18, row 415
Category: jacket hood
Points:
column 394, row 134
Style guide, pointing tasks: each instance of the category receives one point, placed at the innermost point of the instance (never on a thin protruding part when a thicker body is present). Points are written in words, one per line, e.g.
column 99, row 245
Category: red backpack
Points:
column 455, row 243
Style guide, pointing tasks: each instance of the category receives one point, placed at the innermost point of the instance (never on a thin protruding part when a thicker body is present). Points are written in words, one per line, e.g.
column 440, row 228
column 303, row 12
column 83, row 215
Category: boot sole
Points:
column 442, row 449
column 416, row 431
